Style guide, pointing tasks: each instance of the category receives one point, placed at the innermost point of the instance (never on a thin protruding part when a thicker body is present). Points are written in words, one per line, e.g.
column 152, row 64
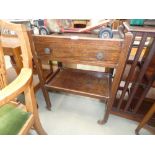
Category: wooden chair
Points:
column 86, row 50
column 17, row 118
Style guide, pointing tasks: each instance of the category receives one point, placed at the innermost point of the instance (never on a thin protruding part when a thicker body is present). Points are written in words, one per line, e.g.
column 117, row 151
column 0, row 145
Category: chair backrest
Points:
column 11, row 35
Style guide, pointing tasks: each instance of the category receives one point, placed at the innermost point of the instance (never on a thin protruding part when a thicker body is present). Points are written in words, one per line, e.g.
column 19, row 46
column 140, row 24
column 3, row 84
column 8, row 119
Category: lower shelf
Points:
column 82, row 82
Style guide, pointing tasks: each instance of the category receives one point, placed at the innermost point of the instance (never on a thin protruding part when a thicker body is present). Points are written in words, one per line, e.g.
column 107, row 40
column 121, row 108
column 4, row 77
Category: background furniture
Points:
column 85, row 49
column 80, row 23
column 17, row 118
column 132, row 101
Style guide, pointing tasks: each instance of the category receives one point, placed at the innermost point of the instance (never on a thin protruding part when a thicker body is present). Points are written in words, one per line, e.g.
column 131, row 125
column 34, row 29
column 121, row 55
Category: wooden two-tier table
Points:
column 86, row 49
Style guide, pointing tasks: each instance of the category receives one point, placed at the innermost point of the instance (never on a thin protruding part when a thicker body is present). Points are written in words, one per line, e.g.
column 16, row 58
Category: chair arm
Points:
column 16, row 87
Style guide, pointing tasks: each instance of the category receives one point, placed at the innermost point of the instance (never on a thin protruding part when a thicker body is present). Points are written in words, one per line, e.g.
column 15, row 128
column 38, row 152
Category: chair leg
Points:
column 106, row 115
column 31, row 106
column 38, row 127
column 145, row 119
column 47, row 98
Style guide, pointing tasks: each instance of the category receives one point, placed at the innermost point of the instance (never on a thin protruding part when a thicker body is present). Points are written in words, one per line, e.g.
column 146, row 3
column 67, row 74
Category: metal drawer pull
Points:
column 99, row 56
column 47, row 50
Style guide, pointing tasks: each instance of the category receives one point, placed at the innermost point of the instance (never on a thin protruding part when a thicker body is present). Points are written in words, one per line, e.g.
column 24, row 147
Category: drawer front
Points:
column 81, row 51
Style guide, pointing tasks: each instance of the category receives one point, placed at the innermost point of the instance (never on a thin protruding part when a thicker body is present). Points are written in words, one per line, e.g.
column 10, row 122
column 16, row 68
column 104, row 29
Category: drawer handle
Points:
column 47, row 50
column 99, row 56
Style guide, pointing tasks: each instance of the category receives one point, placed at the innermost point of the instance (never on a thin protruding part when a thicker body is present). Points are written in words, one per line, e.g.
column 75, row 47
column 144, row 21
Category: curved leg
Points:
column 38, row 127
column 145, row 119
column 137, row 131
column 31, row 106
column 106, row 115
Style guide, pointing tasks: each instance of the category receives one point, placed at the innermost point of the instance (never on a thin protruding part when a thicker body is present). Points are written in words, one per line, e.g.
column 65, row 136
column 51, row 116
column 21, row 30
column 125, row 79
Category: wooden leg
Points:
column 38, row 65
column 42, row 83
column 46, row 96
column 38, row 127
column 145, row 119
column 106, row 115
column 31, row 106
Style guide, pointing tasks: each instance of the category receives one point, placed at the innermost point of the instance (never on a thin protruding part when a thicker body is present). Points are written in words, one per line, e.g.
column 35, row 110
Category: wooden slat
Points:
column 141, row 74
column 143, row 95
column 133, row 66
column 3, row 80
column 121, row 66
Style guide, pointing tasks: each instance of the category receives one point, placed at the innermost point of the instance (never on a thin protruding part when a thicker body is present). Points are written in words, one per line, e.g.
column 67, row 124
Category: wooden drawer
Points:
column 90, row 51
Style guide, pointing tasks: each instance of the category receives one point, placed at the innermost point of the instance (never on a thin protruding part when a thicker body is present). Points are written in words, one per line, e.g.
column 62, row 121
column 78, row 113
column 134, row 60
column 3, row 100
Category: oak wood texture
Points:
column 16, row 87
column 11, row 47
column 138, row 76
column 87, row 83
column 39, row 62
column 79, row 51
column 23, row 82
column 82, row 49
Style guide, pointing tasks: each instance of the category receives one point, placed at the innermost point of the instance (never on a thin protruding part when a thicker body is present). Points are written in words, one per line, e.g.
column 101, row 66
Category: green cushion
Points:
column 12, row 119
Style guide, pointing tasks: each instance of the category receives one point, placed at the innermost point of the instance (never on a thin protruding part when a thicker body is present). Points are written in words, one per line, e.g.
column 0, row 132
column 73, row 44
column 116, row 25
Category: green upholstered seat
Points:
column 12, row 119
